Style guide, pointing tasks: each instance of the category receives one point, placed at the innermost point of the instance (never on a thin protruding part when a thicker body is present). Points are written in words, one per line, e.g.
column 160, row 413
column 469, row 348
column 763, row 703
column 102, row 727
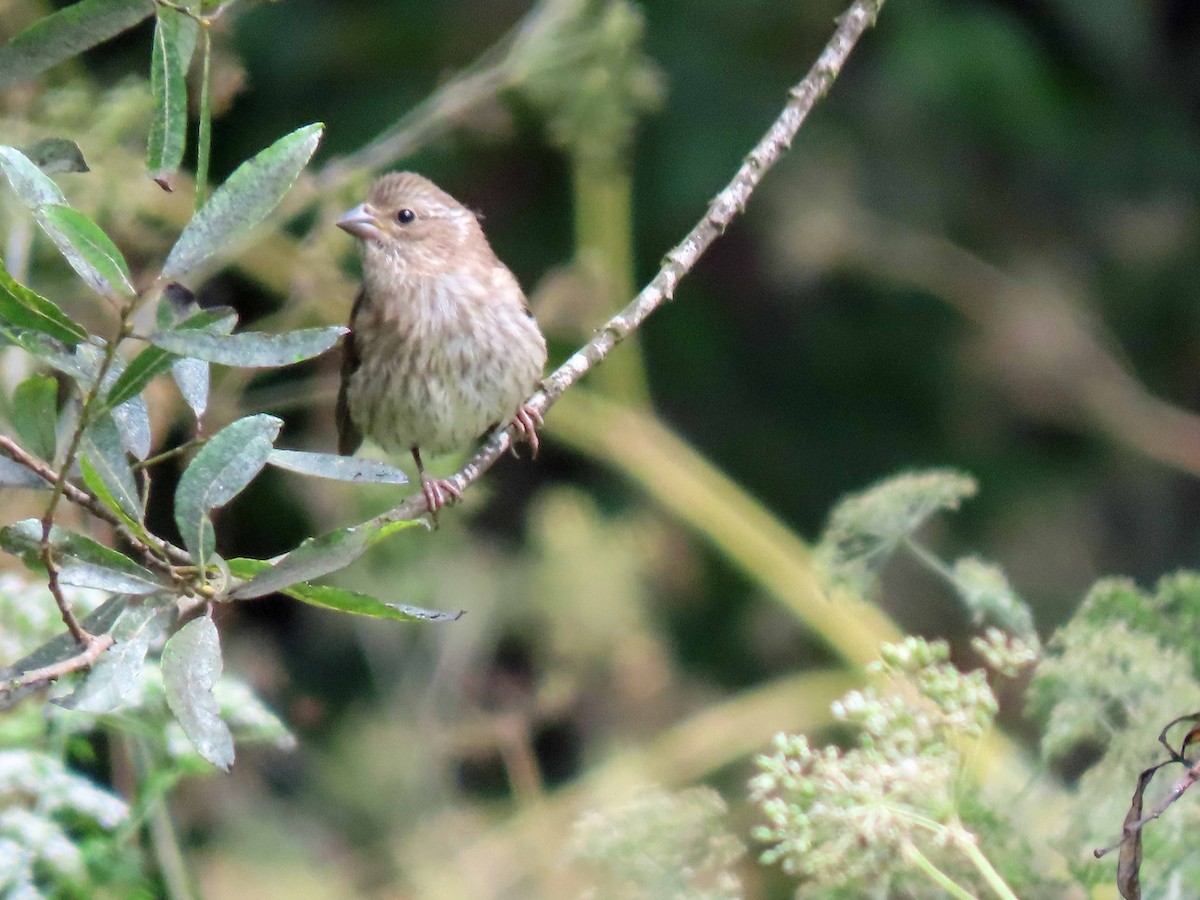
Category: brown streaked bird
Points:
column 442, row 345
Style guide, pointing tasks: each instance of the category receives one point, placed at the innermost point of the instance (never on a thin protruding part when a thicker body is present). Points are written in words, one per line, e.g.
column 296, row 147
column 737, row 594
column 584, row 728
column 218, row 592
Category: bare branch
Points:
column 680, row 260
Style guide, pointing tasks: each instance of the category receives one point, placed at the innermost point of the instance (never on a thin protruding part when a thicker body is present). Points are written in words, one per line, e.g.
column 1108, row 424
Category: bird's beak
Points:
column 362, row 223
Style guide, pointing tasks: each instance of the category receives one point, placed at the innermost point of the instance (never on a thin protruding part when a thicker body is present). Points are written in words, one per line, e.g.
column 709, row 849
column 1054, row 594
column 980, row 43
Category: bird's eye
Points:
column 405, row 216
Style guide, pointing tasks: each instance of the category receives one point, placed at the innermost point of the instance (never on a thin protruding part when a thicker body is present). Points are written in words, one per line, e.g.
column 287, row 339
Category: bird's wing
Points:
column 349, row 436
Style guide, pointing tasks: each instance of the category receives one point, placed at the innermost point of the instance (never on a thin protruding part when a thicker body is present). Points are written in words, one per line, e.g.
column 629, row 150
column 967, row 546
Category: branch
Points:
column 84, row 659
column 721, row 211
column 86, row 500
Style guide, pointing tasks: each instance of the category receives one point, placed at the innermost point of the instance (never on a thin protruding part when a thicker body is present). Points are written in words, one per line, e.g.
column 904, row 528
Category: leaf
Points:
column 251, row 349
column 191, row 667
column 191, row 377
column 316, row 557
column 131, row 417
column 16, row 475
column 115, row 676
column 88, row 250
column 339, row 468
column 96, row 484
column 63, row 34
column 865, row 529
column 55, row 155
column 343, row 600
column 56, row 650
column 82, row 561
column 153, row 361
column 174, row 43
column 35, row 414
column 31, row 184
column 245, row 199
column 984, row 589
column 102, row 447
column 222, row 468
column 22, row 308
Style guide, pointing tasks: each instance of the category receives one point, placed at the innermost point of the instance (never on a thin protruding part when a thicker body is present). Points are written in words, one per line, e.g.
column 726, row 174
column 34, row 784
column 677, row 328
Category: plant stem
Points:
column 604, row 253
column 965, row 841
column 940, row 878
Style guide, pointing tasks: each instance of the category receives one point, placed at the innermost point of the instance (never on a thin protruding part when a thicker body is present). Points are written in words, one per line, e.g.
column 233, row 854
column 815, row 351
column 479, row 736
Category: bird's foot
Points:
column 438, row 492
column 526, row 422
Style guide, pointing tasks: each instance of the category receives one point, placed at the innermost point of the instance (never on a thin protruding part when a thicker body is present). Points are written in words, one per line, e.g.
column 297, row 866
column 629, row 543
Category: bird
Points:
column 442, row 345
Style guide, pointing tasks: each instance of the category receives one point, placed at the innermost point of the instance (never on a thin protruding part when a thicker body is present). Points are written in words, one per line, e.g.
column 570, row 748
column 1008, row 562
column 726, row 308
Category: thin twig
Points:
column 155, row 554
column 81, row 660
column 721, row 211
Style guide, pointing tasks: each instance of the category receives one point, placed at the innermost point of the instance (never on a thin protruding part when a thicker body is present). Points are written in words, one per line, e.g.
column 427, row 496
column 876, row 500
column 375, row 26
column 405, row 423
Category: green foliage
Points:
column 245, row 199
column 191, row 666
column 174, row 44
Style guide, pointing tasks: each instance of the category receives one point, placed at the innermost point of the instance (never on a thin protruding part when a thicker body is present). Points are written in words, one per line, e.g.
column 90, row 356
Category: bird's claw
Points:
column 438, row 492
column 526, row 423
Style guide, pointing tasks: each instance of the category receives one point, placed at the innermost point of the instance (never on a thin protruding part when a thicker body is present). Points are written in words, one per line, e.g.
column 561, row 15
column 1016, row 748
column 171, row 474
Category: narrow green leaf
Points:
column 343, row 600
column 82, row 561
column 251, row 349
column 35, row 188
column 56, row 650
column 113, row 679
column 15, row 475
column 154, row 360
column 222, row 468
column 316, row 557
column 132, row 416
column 35, row 414
column 64, row 34
column 174, row 43
column 55, row 155
column 191, row 667
column 245, row 199
column 54, row 354
column 88, row 250
column 103, row 448
column 96, row 484
column 338, row 468
column 22, row 308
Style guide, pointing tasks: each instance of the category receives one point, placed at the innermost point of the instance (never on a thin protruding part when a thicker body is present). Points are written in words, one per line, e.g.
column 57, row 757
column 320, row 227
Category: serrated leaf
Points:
column 22, row 308
column 87, row 249
column 245, row 199
column 35, row 188
column 338, row 468
column 251, row 349
column 191, row 667
column 222, row 468
column 104, row 449
column 174, row 43
column 114, row 678
column 56, row 650
column 35, row 414
column 16, row 475
column 82, row 561
column 316, row 557
column 153, row 361
column 56, row 155
column 343, row 600
column 63, row 34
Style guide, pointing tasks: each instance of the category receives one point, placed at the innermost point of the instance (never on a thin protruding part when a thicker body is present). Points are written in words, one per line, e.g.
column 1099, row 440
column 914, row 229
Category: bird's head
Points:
column 408, row 222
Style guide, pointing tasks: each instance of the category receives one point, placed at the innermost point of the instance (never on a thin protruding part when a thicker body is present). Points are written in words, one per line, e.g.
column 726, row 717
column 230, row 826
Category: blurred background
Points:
column 979, row 254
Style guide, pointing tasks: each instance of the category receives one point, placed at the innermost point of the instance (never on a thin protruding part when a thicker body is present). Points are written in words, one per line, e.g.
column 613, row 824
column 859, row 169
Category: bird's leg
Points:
column 527, row 421
column 434, row 489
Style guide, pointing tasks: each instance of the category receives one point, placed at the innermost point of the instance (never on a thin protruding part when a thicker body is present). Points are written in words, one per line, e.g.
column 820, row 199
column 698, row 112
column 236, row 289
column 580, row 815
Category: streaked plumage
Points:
column 442, row 345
